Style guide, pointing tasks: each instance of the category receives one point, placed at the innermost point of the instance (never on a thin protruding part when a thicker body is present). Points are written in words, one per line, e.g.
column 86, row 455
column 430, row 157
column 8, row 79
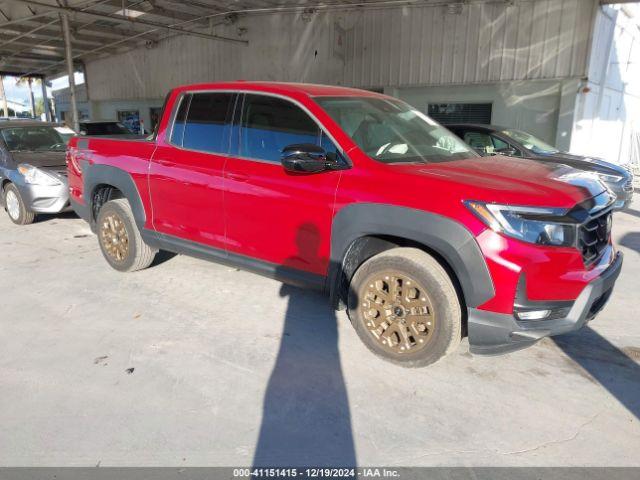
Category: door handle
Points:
column 238, row 177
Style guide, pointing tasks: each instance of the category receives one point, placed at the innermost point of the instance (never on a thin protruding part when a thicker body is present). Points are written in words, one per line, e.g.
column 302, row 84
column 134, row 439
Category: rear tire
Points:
column 15, row 206
column 405, row 308
column 120, row 240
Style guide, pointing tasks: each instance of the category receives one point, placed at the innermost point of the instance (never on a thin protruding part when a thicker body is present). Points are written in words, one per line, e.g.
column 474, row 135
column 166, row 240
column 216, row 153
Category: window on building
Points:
column 269, row 124
column 130, row 119
column 449, row 113
column 207, row 124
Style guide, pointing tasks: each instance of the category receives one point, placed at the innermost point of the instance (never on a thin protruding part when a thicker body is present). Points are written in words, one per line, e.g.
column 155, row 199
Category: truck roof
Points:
column 313, row 90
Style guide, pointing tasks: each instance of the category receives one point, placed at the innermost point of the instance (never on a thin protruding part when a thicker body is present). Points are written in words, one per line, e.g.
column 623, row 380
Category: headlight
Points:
column 609, row 178
column 543, row 226
column 35, row 176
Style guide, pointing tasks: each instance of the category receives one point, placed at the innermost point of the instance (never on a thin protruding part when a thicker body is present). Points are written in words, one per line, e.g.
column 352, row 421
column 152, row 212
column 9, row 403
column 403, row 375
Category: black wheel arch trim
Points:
column 448, row 238
column 95, row 175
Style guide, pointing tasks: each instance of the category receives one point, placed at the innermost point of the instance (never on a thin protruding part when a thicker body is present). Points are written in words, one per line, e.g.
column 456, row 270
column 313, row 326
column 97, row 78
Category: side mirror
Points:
column 304, row 158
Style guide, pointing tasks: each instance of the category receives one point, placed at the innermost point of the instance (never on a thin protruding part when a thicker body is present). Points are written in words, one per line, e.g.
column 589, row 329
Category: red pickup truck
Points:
column 362, row 196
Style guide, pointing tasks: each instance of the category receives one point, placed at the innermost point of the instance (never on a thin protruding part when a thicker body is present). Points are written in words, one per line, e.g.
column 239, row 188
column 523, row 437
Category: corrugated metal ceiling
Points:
column 31, row 41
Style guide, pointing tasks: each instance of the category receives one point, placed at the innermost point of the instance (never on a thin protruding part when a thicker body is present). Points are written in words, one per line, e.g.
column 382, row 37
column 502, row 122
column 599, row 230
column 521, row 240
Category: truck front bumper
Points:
column 493, row 333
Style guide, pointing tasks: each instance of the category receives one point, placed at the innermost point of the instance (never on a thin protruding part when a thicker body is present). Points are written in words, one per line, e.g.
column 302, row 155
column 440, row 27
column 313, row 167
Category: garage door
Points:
column 447, row 113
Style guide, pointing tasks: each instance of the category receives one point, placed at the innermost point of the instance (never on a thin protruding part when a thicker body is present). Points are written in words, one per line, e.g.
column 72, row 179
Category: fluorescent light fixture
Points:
column 127, row 12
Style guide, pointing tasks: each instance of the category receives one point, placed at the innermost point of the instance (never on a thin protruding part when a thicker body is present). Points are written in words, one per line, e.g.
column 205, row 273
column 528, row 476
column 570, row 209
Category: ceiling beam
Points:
column 44, row 32
column 26, row 32
column 30, row 63
column 208, row 6
column 123, row 19
column 160, row 11
column 15, row 71
column 52, row 37
column 34, row 16
column 56, row 48
column 33, row 43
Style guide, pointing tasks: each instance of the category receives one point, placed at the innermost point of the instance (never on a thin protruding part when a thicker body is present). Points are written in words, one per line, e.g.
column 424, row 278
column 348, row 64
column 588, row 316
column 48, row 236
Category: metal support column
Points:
column 45, row 100
column 72, row 84
column 4, row 107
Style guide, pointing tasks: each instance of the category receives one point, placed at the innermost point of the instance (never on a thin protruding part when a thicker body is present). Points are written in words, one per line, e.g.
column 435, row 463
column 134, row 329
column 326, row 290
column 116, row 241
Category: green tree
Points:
column 39, row 106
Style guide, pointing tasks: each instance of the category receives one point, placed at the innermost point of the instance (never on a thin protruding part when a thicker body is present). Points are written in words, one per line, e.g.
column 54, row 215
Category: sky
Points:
column 20, row 93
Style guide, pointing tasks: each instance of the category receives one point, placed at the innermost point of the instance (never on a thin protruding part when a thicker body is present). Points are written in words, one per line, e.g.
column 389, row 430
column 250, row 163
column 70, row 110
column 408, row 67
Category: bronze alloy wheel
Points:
column 114, row 237
column 397, row 312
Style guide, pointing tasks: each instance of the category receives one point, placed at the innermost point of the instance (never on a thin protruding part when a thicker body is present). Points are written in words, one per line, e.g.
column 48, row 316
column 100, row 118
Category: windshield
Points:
column 105, row 128
column 34, row 139
column 390, row 131
column 530, row 142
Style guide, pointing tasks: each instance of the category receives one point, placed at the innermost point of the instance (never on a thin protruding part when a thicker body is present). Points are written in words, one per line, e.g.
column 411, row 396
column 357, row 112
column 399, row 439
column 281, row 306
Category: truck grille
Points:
column 593, row 237
column 628, row 186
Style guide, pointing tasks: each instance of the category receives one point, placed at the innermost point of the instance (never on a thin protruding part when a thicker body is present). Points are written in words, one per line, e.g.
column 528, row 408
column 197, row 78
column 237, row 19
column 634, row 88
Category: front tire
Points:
column 120, row 240
column 404, row 307
column 15, row 206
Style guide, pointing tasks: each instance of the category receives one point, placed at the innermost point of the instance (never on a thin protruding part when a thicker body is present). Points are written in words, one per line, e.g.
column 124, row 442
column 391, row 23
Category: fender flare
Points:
column 448, row 238
column 94, row 175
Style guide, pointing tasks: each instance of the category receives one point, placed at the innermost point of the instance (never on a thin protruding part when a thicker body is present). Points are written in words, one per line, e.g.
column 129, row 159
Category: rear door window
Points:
column 207, row 124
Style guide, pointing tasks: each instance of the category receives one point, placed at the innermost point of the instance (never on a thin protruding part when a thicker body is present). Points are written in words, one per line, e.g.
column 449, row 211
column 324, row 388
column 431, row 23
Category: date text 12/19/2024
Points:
column 311, row 472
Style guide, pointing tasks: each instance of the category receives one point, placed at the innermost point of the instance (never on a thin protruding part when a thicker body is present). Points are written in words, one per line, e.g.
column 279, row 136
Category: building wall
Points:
column 485, row 42
column 529, row 105
column 103, row 110
column 108, row 110
column 607, row 118
column 62, row 103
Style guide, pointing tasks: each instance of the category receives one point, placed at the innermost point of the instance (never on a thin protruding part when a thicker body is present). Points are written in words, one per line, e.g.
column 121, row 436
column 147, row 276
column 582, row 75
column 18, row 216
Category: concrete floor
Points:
column 193, row 363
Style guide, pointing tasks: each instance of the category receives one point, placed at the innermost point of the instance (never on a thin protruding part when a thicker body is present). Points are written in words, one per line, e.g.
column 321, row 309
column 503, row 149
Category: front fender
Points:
column 448, row 238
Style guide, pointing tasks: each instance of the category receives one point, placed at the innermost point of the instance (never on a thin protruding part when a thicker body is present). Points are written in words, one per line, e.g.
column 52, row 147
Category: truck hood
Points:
column 40, row 159
column 500, row 179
